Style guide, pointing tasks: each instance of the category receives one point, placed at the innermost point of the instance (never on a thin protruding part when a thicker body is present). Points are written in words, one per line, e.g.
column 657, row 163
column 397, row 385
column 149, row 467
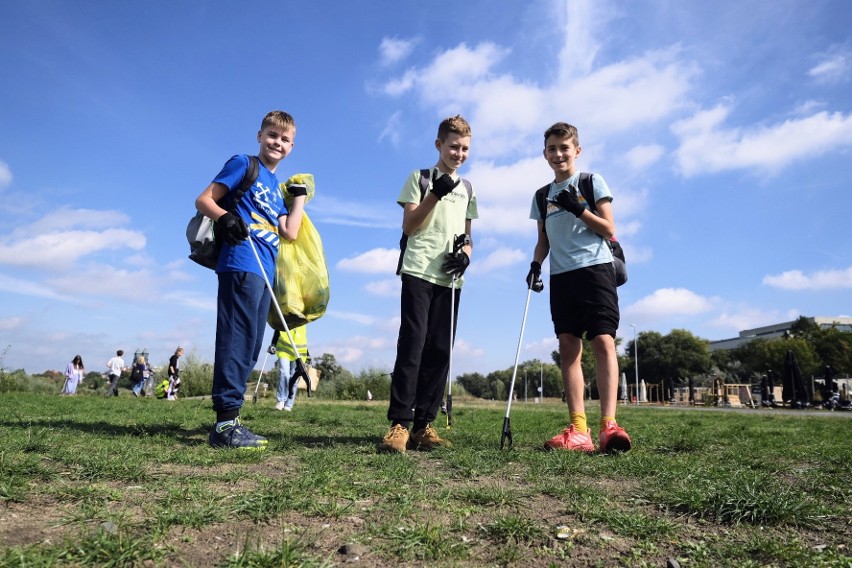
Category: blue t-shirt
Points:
column 260, row 208
column 572, row 244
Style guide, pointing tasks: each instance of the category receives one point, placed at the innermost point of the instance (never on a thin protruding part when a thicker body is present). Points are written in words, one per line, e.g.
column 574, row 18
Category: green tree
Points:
column 476, row 384
column 330, row 369
column 670, row 359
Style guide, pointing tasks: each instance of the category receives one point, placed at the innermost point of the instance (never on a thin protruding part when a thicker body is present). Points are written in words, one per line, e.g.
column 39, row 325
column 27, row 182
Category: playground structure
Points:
column 734, row 395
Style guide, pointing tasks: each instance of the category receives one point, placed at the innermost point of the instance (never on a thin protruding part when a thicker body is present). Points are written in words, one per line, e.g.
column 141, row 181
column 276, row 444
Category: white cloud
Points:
column 821, row 280
column 640, row 157
column 392, row 50
column 834, row 67
column 750, row 318
column 354, row 349
column 497, row 259
column 388, row 288
column 7, row 324
column 462, row 347
column 376, row 261
column 391, row 129
column 29, row 288
column 507, row 113
column 706, row 145
column 5, row 175
column 66, row 218
column 335, row 211
column 62, row 249
column 667, row 302
column 362, row 319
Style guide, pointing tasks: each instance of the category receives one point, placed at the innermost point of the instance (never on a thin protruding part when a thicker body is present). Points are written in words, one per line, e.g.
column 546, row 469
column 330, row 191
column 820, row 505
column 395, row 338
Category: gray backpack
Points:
column 204, row 248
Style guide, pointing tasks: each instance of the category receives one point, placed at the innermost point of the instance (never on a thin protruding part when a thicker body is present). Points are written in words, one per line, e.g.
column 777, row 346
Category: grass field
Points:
column 90, row 481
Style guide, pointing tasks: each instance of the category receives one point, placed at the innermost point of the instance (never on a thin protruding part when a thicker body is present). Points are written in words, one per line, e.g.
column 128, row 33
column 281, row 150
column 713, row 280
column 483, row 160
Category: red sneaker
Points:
column 613, row 438
column 570, row 439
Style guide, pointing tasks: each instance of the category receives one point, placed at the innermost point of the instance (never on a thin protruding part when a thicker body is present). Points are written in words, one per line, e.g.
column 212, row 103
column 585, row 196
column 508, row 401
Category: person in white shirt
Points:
column 115, row 366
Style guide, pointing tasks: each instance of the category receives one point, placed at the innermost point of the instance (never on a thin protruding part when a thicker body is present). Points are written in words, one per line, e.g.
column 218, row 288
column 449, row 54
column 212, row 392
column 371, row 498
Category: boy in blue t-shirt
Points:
column 583, row 296
column 243, row 299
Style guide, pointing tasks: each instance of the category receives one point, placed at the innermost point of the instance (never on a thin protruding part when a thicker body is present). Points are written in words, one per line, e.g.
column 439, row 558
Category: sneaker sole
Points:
column 617, row 446
column 563, row 449
column 255, row 448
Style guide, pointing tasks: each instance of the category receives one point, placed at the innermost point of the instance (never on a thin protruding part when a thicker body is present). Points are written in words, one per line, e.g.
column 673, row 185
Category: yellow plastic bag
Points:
column 301, row 275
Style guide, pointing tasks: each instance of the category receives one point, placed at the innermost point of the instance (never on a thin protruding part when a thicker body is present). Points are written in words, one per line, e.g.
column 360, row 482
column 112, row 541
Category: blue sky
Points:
column 724, row 131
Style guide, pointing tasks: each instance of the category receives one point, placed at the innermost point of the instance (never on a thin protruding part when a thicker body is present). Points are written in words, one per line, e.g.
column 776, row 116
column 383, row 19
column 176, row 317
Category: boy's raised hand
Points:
column 444, row 185
column 233, row 228
column 569, row 202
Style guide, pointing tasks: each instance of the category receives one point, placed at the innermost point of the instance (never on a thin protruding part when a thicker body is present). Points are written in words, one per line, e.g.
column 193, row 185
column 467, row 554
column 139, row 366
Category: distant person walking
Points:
column 139, row 374
column 73, row 375
column 115, row 367
column 174, row 374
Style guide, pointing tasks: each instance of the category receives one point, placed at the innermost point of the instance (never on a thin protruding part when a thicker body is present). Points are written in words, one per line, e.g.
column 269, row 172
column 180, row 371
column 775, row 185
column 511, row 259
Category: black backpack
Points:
column 424, row 187
column 588, row 192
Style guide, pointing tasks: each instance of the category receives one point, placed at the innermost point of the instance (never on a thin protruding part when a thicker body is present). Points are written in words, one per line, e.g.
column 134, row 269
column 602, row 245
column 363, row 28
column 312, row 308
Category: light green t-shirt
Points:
column 426, row 248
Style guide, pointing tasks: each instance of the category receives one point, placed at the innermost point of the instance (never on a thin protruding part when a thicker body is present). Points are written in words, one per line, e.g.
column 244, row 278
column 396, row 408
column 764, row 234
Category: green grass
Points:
column 89, row 481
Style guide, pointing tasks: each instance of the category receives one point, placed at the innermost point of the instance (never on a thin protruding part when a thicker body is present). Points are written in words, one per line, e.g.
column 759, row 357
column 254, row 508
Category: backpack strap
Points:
column 587, row 190
column 541, row 203
column 246, row 183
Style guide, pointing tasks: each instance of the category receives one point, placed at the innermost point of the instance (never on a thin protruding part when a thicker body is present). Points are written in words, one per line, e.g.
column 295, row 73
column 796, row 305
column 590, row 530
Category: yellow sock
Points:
column 605, row 419
column 578, row 419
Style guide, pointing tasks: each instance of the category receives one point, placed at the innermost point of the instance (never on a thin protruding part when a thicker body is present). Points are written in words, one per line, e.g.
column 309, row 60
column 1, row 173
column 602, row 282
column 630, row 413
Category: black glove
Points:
column 534, row 277
column 233, row 228
column 300, row 372
column 297, row 189
column 271, row 349
column 444, row 185
column 568, row 201
column 455, row 263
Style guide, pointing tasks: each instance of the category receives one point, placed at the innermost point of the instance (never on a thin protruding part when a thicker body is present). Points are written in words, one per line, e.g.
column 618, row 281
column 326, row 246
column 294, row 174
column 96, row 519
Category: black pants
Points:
column 422, row 351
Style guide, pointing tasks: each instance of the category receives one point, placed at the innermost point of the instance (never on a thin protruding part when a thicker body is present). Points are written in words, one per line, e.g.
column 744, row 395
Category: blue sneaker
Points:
column 232, row 434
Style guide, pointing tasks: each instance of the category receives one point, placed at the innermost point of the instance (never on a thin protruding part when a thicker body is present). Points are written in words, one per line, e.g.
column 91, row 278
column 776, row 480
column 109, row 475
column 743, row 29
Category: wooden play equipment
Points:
column 734, row 395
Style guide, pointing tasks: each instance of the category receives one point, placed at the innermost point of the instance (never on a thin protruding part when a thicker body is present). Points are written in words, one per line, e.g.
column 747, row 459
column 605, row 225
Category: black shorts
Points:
column 585, row 301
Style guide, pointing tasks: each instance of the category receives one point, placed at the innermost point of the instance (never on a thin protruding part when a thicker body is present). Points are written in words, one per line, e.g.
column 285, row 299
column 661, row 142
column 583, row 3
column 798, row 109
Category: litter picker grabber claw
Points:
column 300, row 366
column 507, row 427
column 269, row 351
column 459, row 242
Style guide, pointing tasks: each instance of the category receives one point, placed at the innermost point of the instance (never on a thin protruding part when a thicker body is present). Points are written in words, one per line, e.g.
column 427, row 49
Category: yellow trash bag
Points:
column 301, row 275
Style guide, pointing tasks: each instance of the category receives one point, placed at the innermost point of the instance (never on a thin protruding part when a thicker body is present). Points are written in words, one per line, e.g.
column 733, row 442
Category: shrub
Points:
column 196, row 376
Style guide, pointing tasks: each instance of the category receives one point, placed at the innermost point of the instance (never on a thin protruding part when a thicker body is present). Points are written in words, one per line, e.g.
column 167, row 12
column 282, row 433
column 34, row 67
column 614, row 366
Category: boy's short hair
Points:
column 280, row 119
column 120, row 352
column 453, row 124
column 563, row 129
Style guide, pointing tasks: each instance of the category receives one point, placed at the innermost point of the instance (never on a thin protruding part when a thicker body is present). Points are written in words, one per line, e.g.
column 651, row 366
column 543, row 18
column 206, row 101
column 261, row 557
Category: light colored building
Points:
column 778, row 330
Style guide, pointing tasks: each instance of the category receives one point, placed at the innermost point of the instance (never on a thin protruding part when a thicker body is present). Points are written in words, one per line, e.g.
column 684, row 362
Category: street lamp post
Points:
column 636, row 364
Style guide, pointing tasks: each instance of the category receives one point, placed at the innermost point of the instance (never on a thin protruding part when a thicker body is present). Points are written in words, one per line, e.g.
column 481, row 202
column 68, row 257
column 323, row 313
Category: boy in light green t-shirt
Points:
column 429, row 264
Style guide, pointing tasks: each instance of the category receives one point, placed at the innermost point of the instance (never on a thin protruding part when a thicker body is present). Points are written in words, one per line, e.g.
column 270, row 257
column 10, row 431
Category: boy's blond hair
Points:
column 280, row 119
column 562, row 129
column 453, row 124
